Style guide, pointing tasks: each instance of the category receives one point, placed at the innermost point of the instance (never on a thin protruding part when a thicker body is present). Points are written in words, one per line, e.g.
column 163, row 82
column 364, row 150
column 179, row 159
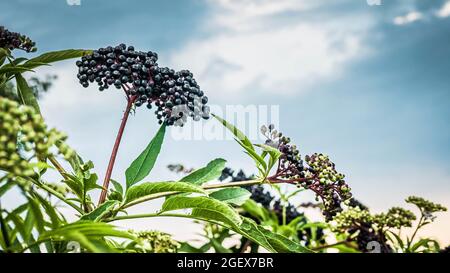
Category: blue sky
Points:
column 367, row 85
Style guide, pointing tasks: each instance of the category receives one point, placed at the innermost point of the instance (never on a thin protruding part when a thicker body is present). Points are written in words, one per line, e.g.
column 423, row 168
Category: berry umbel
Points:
column 175, row 95
column 13, row 40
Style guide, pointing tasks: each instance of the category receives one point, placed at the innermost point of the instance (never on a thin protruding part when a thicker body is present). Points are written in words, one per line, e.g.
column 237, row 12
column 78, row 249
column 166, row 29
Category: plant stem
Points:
column 419, row 225
column 58, row 166
column 149, row 215
column 115, row 149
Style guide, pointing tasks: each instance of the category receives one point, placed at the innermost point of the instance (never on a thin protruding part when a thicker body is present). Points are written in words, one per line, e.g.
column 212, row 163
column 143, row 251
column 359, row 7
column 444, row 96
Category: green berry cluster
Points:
column 426, row 207
column 23, row 136
column 396, row 217
column 350, row 218
column 154, row 242
column 325, row 170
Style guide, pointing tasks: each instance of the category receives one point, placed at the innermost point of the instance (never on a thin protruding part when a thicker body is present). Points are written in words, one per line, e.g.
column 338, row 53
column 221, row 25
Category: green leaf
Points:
column 149, row 188
column 37, row 213
column 89, row 234
column 50, row 210
column 249, row 229
column 246, row 144
column 144, row 163
column 117, row 186
column 25, row 93
column 236, row 196
column 273, row 153
column 282, row 244
column 13, row 70
column 397, row 238
column 6, row 187
column 254, row 210
column 56, row 56
column 201, row 202
column 101, row 211
column 240, row 137
column 186, row 247
column 212, row 171
column 3, row 54
column 211, row 215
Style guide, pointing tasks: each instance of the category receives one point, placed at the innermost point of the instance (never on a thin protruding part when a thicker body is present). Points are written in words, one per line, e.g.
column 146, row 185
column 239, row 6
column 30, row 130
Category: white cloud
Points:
column 408, row 18
column 444, row 11
column 247, row 48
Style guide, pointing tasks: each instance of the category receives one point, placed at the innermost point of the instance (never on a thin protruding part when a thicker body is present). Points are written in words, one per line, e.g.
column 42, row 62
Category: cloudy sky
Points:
column 367, row 84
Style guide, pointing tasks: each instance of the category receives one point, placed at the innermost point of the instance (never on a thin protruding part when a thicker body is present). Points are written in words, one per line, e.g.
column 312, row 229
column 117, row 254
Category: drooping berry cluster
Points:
column 175, row 94
column 23, row 133
column 319, row 175
column 13, row 40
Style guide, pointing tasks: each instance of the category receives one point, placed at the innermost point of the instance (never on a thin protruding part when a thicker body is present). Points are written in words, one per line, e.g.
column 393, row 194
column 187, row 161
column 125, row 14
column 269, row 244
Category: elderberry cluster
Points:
column 318, row 175
column 13, row 40
column 174, row 94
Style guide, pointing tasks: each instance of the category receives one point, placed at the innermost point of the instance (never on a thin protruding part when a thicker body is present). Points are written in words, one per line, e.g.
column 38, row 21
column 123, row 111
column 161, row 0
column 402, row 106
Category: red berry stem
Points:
column 115, row 149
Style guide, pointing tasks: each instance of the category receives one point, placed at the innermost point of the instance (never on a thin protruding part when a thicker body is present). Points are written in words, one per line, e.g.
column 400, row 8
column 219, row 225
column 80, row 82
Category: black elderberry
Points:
column 13, row 40
column 174, row 93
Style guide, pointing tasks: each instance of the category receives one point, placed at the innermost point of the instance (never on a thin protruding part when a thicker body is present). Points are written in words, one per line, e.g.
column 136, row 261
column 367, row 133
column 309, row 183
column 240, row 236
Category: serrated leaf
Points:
column 212, row 171
column 149, row 188
column 56, row 56
column 25, row 93
column 102, row 210
column 201, row 202
column 144, row 163
column 236, row 195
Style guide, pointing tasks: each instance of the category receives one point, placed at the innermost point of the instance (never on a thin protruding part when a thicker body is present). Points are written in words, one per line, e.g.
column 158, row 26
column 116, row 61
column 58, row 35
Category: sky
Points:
column 366, row 84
